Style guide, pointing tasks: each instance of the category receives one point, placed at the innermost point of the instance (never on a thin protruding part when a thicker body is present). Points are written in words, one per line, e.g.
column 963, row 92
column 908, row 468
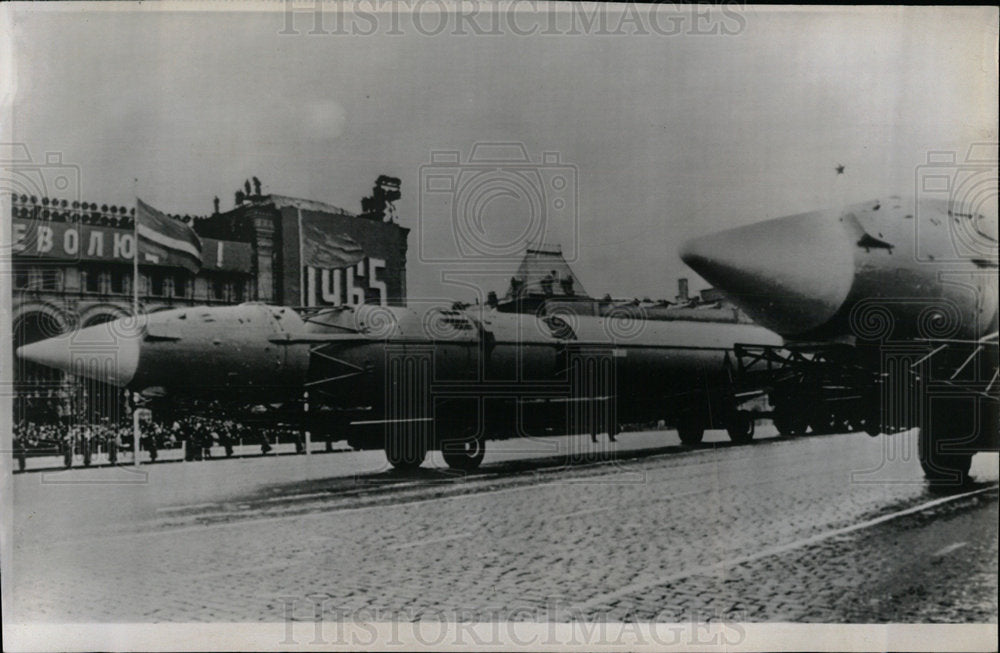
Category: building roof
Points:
column 537, row 263
column 281, row 201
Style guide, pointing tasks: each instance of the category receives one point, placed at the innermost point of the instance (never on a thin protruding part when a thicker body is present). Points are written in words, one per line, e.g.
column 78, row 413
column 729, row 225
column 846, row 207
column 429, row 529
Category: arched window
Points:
column 36, row 387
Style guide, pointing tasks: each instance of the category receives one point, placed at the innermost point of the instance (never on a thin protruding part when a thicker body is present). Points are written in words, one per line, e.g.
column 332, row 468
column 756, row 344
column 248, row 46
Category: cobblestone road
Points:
column 787, row 530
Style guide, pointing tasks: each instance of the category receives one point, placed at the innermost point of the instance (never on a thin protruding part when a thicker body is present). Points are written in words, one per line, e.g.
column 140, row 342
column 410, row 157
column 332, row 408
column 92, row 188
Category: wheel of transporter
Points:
column 690, row 429
column 823, row 422
column 943, row 468
column 788, row 423
column 740, row 427
column 464, row 454
column 943, row 465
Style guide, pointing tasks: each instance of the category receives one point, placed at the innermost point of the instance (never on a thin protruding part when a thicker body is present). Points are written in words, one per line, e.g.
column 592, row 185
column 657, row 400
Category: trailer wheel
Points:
column 788, row 423
column 942, row 468
column 464, row 454
column 690, row 429
column 951, row 422
column 740, row 427
column 821, row 423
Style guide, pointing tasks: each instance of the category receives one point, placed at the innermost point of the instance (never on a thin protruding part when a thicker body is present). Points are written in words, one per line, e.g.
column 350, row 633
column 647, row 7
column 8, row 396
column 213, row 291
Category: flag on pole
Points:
column 165, row 241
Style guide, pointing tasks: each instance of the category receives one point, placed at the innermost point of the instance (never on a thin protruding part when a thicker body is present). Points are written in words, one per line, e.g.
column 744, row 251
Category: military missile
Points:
column 869, row 271
column 390, row 365
column 188, row 350
column 905, row 290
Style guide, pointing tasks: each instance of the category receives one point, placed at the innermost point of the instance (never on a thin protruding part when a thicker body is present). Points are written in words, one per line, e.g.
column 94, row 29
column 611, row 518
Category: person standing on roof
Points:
column 566, row 281
column 547, row 282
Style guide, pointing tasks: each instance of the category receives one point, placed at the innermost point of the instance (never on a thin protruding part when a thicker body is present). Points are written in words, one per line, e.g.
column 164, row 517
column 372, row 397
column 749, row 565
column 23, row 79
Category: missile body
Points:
column 376, row 364
column 199, row 350
column 906, row 290
column 884, row 270
column 502, row 354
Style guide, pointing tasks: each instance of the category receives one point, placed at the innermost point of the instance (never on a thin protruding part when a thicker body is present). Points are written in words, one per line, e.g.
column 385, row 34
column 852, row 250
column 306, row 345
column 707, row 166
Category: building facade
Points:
column 73, row 268
column 277, row 226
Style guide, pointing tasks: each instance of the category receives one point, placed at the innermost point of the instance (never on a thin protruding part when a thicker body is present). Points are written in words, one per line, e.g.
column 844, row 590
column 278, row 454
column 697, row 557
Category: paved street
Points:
column 807, row 529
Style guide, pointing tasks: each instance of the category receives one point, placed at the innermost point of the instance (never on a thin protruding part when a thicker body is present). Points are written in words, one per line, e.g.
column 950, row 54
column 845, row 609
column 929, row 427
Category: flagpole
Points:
column 303, row 300
column 135, row 251
column 136, row 439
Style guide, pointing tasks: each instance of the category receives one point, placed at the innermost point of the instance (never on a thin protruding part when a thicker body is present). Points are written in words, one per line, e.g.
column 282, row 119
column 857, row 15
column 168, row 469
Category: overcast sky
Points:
column 672, row 134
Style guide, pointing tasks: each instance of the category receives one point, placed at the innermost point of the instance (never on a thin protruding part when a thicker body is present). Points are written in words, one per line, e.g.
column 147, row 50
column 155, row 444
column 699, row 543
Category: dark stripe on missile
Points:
column 156, row 331
column 869, row 242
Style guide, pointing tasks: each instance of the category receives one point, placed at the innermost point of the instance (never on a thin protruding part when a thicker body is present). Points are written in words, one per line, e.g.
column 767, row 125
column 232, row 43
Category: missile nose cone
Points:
column 107, row 352
column 790, row 275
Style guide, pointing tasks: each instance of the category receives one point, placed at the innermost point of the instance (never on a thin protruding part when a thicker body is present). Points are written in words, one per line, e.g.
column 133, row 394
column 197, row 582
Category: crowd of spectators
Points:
column 195, row 433
column 34, row 439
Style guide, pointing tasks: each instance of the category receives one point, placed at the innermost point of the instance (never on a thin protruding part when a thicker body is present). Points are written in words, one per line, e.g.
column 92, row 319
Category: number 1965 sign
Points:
column 354, row 285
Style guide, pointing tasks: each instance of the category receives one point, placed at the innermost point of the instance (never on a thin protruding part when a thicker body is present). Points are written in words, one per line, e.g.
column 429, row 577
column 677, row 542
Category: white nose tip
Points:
column 106, row 352
column 790, row 275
